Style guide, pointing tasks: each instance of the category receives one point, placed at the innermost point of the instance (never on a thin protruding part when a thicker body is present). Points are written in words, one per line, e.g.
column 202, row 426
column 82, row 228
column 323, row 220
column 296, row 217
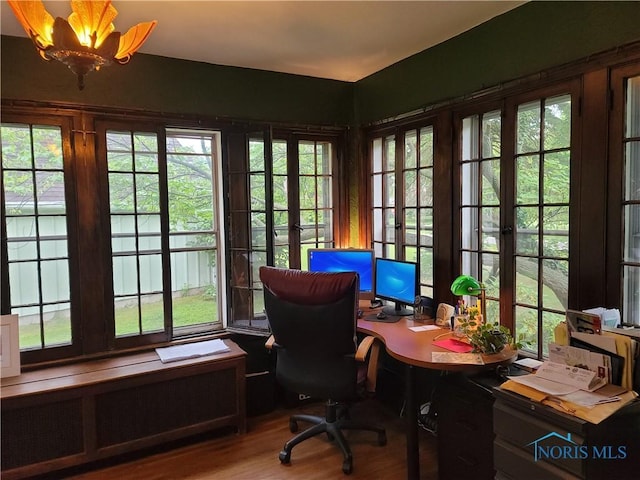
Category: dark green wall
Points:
column 163, row 84
column 523, row 41
column 529, row 39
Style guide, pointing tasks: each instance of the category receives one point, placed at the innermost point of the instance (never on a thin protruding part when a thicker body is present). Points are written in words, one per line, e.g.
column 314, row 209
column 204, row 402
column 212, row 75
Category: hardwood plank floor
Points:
column 254, row 455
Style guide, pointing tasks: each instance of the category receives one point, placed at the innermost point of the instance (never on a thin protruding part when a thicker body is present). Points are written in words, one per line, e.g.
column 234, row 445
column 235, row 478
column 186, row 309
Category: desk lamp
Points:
column 467, row 285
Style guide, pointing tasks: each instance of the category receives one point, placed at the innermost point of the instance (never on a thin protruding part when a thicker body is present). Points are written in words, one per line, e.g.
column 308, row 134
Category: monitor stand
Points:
column 397, row 310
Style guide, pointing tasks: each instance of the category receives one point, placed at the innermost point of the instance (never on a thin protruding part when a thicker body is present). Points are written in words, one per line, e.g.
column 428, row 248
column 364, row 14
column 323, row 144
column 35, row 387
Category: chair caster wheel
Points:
column 293, row 426
column 285, row 457
column 347, row 466
column 382, row 439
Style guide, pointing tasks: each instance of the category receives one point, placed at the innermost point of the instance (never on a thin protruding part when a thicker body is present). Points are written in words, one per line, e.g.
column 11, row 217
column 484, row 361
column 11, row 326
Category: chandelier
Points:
column 85, row 41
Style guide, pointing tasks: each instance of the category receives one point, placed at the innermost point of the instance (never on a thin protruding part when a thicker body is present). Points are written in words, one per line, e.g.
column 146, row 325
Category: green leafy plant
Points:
column 490, row 337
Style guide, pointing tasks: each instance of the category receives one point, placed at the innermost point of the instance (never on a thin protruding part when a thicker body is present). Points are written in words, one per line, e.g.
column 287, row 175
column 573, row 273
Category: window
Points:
column 411, row 238
column 480, row 204
column 35, row 219
column 283, row 188
column 516, row 240
column 135, row 261
column 631, row 204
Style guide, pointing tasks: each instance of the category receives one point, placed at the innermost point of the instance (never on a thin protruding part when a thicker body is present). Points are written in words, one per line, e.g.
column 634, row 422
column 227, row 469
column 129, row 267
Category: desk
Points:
column 414, row 349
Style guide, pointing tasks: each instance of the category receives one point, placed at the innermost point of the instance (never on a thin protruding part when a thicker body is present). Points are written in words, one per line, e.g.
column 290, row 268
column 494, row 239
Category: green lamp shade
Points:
column 466, row 285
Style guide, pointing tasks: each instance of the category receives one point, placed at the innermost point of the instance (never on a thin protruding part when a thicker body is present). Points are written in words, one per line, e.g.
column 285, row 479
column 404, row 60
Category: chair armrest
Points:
column 371, row 346
column 270, row 342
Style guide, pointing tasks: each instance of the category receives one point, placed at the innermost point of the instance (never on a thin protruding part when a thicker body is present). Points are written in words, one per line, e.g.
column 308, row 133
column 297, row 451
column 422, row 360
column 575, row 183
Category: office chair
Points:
column 313, row 320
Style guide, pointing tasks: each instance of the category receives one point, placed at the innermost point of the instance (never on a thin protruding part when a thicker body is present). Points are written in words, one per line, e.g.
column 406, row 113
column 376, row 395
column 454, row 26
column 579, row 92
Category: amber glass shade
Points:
column 86, row 41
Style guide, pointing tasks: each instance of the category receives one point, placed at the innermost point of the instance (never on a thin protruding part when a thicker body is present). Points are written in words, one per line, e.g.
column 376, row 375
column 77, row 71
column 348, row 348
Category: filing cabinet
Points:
column 570, row 448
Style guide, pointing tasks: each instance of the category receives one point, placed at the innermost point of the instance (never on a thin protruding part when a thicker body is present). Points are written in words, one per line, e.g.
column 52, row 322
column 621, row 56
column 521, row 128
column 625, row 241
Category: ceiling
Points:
column 341, row 40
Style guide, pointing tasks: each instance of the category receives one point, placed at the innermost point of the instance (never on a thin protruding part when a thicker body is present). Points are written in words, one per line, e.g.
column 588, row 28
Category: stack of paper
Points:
column 560, row 379
column 191, row 350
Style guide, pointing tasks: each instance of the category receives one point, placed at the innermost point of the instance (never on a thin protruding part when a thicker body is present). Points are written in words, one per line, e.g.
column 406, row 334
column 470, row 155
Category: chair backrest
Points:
column 313, row 319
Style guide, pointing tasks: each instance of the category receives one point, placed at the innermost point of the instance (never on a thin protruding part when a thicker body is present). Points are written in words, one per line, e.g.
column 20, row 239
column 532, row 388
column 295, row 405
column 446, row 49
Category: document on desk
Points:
column 191, row 350
column 452, row 357
column 424, row 328
column 559, row 379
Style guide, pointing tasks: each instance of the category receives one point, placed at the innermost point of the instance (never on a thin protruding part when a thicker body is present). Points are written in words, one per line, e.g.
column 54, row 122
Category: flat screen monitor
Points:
column 358, row 260
column 397, row 282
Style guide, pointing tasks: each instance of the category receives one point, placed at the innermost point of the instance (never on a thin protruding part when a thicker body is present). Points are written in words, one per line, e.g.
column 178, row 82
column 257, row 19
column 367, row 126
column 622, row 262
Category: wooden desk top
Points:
column 415, row 348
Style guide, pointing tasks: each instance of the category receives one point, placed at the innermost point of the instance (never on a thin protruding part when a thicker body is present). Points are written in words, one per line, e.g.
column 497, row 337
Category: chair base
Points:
column 335, row 421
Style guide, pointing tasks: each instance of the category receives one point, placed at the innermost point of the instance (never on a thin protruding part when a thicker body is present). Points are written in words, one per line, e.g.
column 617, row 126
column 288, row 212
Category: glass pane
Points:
column 490, row 182
column 426, row 147
column 16, row 146
column 258, row 233
column 378, row 225
column 148, row 223
column 27, row 250
column 50, row 192
column 257, row 188
column 555, row 282
column 425, row 195
column 29, row 327
column 526, row 324
column 125, row 277
column 527, row 281
column 377, row 155
column 147, row 193
column 119, row 141
column 47, row 148
column 632, row 233
column 389, row 180
column 56, row 324
column 24, row 283
column 121, row 193
column 491, row 274
column 390, row 163
column 556, row 177
column 55, row 280
column 632, row 108
column 410, row 226
column 527, row 230
column 390, row 225
column 549, row 322
column 528, row 127
column 426, row 227
column 307, row 192
column 126, row 316
column 557, row 122
column 152, row 313
column 123, row 224
column 256, row 155
column 469, row 226
column 632, row 170
column 150, row 273
column 469, row 183
column 19, row 198
column 491, row 229
column 527, row 180
column 426, row 266
column 377, row 191
column 279, row 153
column 306, row 159
column 491, row 134
column 410, row 188
column 469, row 139
column 631, row 295
column 145, row 142
column 324, row 191
column 146, row 162
column 556, row 232
column 410, row 145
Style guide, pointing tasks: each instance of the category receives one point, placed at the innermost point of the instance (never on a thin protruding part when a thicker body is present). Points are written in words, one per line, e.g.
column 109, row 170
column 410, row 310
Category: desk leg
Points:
column 413, row 457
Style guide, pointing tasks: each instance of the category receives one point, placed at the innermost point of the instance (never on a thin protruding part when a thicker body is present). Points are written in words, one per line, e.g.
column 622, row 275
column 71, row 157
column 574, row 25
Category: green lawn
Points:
column 188, row 310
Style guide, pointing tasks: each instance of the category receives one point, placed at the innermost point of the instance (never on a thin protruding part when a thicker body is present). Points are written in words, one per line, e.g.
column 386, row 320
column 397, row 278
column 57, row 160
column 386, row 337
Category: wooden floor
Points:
column 254, row 455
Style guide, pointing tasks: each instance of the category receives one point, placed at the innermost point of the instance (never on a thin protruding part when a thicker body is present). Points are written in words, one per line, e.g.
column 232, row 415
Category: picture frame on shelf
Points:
column 9, row 346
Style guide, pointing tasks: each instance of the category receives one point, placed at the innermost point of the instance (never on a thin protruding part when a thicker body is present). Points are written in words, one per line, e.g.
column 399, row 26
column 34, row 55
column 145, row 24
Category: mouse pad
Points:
column 390, row 318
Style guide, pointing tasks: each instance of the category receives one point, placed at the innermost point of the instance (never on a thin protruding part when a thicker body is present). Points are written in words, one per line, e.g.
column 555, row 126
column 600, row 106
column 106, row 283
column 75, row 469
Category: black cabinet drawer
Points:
column 513, row 462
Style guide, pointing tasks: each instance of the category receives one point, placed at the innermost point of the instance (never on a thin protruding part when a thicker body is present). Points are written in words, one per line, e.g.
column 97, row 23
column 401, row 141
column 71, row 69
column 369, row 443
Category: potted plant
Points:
column 490, row 338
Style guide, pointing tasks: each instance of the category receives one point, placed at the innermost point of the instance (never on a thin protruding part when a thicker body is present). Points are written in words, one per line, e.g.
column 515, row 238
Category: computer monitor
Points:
column 397, row 282
column 358, row 260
